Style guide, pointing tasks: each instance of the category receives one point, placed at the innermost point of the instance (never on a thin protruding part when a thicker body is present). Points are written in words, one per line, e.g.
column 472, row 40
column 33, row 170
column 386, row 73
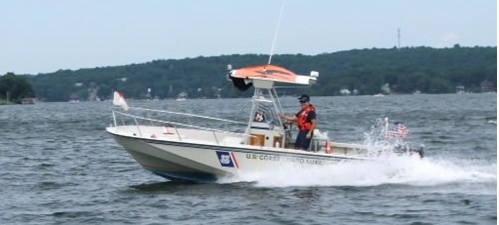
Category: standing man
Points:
column 306, row 120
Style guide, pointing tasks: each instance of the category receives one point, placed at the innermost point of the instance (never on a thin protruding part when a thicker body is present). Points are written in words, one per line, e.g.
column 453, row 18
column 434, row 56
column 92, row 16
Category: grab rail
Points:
column 189, row 114
column 173, row 124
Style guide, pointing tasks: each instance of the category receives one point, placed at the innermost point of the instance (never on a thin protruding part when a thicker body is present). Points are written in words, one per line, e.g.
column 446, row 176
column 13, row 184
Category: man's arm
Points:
column 291, row 118
column 312, row 128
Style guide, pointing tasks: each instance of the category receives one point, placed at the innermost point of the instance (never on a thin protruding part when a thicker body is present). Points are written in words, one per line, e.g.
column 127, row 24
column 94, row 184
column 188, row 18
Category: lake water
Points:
column 59, row 166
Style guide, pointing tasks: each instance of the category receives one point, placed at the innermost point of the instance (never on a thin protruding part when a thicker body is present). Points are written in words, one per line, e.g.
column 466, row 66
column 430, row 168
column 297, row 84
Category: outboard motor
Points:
column 404, row 149
column 419, row 151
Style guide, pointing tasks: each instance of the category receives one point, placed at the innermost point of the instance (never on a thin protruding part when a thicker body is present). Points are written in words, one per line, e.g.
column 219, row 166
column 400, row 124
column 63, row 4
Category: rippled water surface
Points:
column 58, row 165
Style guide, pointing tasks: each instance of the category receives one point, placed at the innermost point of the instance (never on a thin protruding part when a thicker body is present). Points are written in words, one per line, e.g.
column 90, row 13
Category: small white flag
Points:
column 119, row 100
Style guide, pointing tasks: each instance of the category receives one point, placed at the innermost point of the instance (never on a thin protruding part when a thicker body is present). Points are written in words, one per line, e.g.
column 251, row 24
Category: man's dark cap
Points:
column 304, row 98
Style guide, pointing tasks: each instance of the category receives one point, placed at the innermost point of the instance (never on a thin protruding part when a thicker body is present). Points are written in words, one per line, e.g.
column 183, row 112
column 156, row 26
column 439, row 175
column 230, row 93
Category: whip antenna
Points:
column 276, row 31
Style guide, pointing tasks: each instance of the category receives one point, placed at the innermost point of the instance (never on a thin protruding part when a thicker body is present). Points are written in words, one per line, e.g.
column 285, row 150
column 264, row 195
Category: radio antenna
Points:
column 398, row 36
column 276, row 31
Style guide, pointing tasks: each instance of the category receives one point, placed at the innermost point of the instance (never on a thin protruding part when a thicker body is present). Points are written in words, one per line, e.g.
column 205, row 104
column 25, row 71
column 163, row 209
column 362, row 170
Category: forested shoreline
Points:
column 363, row 72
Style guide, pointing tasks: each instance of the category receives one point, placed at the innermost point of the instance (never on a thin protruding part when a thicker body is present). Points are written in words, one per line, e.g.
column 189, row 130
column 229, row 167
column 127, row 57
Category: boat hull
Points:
column 203, row 162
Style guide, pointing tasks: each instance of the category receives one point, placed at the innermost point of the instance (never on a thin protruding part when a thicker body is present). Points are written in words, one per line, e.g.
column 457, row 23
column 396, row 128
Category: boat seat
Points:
column 232, row 141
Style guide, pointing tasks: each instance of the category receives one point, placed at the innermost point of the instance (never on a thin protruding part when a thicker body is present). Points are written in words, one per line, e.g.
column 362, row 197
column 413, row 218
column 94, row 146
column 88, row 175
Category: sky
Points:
column 45, row 36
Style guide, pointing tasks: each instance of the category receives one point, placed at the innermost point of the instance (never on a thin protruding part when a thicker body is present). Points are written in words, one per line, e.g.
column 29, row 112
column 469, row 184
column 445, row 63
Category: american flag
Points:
column 396, row 130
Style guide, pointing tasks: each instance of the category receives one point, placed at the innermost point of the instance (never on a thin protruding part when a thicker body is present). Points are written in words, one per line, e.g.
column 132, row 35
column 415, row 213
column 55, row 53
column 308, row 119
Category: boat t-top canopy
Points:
column 264, row 76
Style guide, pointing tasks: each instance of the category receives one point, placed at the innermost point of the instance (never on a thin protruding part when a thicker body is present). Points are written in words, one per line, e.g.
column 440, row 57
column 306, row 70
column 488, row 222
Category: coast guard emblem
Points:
column 226, row 159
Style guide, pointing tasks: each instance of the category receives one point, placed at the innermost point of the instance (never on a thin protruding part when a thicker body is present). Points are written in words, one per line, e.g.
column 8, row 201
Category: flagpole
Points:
column 386, row 127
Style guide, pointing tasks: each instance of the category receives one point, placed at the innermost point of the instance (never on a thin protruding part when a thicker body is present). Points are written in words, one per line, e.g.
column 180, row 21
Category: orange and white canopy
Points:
column 273, row 73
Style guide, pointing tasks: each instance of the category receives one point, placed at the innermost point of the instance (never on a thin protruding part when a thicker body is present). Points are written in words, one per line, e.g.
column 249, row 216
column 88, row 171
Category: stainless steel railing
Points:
column 142, row 116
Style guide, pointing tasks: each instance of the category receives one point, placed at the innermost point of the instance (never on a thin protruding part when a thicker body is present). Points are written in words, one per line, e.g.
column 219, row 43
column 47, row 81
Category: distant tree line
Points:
column 403, row 70
column 14, row 88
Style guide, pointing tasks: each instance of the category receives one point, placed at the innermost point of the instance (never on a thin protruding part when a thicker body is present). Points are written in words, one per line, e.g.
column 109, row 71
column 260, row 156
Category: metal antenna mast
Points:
column 398, row 35
column 276, row 31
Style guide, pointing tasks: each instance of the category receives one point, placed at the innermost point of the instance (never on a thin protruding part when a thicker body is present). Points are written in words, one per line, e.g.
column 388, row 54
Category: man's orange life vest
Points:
column 302, row 122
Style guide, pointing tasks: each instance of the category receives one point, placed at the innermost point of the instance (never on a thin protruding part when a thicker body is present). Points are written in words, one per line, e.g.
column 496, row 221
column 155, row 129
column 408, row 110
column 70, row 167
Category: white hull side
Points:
column 200, row 162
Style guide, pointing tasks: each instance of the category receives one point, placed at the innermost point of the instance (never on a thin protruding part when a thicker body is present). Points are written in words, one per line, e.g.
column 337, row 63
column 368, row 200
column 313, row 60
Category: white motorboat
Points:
column 183, row 151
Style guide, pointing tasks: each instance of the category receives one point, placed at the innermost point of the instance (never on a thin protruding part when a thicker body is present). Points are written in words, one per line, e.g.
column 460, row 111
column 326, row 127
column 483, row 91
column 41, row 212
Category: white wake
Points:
column 389, row 169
